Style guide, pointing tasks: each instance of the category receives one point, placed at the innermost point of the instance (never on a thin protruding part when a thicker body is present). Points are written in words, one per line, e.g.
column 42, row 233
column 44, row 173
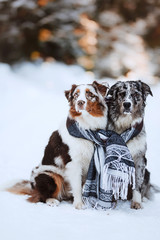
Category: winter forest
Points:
column 45, row 47
column 110, row 38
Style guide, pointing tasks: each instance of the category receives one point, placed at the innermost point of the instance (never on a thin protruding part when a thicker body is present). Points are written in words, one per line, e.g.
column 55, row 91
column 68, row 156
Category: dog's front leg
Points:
column 139, row 178
column 74, row 176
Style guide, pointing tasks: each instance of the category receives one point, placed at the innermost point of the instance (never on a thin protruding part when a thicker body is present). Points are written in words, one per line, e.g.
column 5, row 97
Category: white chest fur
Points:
column 137, row 145
column 80, row 150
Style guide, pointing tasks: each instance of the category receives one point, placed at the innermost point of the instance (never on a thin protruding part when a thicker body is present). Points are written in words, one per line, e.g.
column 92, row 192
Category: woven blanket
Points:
column 111, row 169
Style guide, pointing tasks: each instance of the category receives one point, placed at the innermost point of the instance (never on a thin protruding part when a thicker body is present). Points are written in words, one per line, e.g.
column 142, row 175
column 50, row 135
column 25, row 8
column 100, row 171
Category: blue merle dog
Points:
column 126, row 102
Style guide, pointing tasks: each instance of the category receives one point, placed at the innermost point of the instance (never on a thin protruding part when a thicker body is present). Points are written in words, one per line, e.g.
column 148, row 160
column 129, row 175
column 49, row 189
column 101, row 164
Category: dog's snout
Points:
column 127, row 105
column 81, row 103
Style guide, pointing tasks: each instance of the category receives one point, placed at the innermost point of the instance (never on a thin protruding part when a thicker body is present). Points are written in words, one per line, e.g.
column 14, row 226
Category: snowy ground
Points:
column 32, row 104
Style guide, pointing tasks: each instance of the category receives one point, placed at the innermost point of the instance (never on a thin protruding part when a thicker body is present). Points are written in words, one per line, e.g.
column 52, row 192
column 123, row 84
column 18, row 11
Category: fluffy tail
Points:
column 148, row 189
column 22, row 188
column 46, row 186
column 155, row 188
column 151, row 190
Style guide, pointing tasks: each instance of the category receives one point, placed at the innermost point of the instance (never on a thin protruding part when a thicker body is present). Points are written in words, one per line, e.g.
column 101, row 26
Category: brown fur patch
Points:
column 101, row 88
column 59, row 181
column 87, row 90
column 63, row 190
column 21, row 188
column 68, row 93
column 35, row 196
column 73, row 112
column 56, row 148
column 24, row 188
column 95, row 109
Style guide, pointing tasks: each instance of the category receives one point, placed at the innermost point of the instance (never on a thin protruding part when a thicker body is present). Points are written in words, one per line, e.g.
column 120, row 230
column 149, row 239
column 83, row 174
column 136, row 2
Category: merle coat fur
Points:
column 126, row 102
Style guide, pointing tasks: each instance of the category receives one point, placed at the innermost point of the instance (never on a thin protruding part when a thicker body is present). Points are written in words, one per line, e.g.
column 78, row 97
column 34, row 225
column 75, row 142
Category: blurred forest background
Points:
column 111, row 38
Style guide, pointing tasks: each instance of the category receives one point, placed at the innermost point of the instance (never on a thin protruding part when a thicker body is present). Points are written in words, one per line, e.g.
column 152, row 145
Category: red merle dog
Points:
column 66, row 158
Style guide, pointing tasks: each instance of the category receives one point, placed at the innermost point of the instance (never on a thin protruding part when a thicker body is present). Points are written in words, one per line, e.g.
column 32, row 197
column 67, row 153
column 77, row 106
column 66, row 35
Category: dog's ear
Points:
column 68, row 93
column 112, row 93
column 102, row 88
column 145, row 89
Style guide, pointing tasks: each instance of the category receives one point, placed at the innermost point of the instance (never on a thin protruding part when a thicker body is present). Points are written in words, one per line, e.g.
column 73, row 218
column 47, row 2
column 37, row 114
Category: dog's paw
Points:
column 136, row 205
column 78, row 205
column 52, row 202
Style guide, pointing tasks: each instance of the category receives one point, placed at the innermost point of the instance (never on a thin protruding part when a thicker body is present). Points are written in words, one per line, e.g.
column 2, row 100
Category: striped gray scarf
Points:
column 111, row 169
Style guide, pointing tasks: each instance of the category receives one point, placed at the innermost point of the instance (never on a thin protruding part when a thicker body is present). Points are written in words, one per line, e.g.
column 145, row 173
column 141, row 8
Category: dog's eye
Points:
column 89, row 95
column 76, row 95
column 136, row 96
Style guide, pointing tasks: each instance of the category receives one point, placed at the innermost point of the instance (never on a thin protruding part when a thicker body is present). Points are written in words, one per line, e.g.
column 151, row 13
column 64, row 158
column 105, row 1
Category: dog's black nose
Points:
column 127, row 105
column 81, row 103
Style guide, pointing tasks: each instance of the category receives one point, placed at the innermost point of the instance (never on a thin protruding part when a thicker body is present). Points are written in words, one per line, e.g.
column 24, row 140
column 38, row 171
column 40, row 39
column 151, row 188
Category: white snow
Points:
column 22, row 3
column 32, row 104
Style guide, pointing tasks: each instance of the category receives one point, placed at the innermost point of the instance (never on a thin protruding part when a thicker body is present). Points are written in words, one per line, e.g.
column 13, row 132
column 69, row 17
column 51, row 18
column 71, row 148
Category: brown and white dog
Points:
column 66, row 158
column 126, row 105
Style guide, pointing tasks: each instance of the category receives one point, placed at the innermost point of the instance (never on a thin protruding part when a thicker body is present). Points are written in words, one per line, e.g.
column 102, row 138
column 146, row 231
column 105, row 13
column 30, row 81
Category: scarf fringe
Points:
column 119, row 183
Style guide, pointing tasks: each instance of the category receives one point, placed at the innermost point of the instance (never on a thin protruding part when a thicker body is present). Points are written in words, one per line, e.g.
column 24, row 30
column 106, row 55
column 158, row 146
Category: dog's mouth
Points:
column 127, row 111
column 80, row 109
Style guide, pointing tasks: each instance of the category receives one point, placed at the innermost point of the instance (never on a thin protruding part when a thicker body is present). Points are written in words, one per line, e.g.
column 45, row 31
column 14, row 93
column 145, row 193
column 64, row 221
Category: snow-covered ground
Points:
column 32, row 104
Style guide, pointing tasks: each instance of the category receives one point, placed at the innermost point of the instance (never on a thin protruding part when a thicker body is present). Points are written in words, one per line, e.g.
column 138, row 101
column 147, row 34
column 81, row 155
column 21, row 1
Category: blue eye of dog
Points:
column 89, row 94
column 76, row 95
